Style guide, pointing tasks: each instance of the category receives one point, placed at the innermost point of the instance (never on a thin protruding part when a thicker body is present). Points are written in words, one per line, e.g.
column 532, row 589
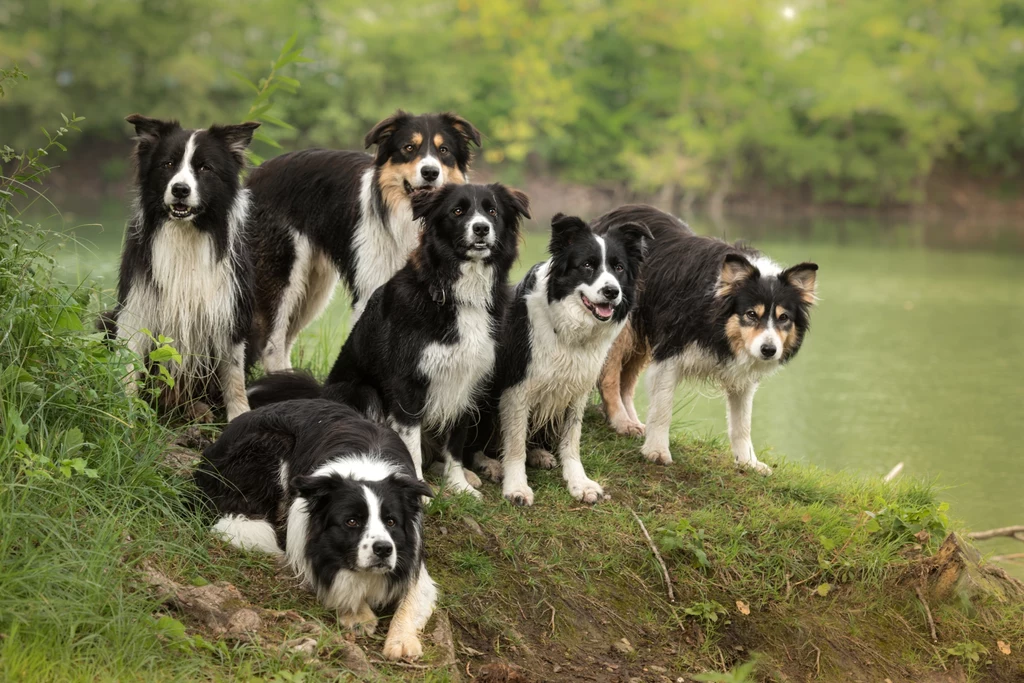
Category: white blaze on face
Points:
column 768, row 340
column 184, row 175
column 375, row 533
column 429, row 162
column 603, row 303
column 472, row 238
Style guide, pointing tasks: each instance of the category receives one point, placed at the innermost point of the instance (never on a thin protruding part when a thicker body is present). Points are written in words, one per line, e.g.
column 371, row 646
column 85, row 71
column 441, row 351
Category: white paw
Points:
column 472, row 479
column 657, row 455
column 541, row 459
column 755, row 465
column 491, row 468
column 519, row 495
column 402, row 646
column 627, row 426
column 363, row 623
column 462, row 486
column 586, row 491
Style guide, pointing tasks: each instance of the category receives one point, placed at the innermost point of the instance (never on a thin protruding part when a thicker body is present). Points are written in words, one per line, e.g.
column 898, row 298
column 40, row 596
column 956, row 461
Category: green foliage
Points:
column 708, row 612
column 744, row 673
column 858, row 102
column 970, row 652
column 683, row 537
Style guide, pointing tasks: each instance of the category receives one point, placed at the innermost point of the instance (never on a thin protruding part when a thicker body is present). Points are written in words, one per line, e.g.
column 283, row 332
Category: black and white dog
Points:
column 420, row 355
column 564, row 317
column 338, row 496
column 708, row 311
column 320, row 215
column 185, row 273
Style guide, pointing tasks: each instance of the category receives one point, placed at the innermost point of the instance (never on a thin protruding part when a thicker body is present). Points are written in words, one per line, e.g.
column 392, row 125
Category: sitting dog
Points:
column 322, row 215
column 338, row 497
column 185, row 271
column 708, row 311
column 420, row 355
column 564, row 316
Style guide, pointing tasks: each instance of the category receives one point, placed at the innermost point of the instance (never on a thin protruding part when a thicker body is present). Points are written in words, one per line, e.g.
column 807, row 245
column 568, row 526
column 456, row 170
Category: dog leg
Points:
column 610, row 385
column 490, row 467
column 363, row 621
column 454, row 473
column 232, row 382
column 661, row 382
column 403, row 641
column 515, row 415
column 580, row 485
column 277, row 353
column 632, row 367
column 741, row 406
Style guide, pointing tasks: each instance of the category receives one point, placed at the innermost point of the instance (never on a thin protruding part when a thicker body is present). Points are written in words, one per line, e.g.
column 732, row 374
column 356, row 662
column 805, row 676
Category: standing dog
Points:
column 420, row 355
column 184, row 271
column 708, row 311
column 320, row 215
column 337, row 495
column 563, row 319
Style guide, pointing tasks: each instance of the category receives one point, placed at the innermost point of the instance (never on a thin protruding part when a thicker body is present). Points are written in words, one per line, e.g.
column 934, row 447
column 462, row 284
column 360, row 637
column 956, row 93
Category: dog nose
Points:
column 180, row 190
column 610, row 292
column 430, row 173
column 481, row 229
column 382, row 549
column 767, row 351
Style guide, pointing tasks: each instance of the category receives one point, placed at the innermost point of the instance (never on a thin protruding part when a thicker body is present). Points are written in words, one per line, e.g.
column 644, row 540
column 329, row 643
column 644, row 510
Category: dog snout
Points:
column 610, row 292
column 430, row 173
column 180, row 190
column 768, row 351
column 481, row 229
column 382, row 549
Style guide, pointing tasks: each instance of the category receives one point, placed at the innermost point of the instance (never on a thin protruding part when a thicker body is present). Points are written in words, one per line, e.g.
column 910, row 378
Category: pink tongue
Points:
column 604, row 310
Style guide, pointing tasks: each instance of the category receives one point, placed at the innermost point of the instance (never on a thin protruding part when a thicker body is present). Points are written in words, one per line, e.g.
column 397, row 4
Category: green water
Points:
column 916, row 353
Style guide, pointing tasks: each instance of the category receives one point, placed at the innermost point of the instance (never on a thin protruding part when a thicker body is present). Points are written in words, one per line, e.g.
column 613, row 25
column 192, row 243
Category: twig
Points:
column 1011, row 531
column 927, row 614
column 893, row 473
column 404, row 665
column 657, row 556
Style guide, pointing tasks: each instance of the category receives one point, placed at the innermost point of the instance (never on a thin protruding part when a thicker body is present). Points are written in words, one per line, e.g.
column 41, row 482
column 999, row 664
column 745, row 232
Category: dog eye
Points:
column 751, row 315
column 442, row 149
column 352, row 523
column 204, row 168
column 589, row 265
column 783, row 318
column 458, row 211
column 493, row 212
column 409, row 148
column 168, row 164
column 390, row 521
column 619, row 268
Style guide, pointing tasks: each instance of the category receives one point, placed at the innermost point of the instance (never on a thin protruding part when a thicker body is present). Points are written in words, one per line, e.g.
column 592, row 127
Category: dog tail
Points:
column 283, row 386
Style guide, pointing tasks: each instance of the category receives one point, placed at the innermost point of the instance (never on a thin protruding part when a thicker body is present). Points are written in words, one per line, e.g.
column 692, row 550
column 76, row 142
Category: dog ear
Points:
column 803, row 276
column 383, row 130
column 466, row 129
column 237, row 136
column 315, row 488
column 147, row 127
column 736, row 269
column 635, row 237
column 566, row 231
column 513, row 199
column 414, row 488
column 424, row 201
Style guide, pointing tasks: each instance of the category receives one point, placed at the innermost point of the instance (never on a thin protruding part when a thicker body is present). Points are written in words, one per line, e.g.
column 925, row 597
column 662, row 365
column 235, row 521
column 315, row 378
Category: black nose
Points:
column 481, row 229
column 430, row 173
column 382, row 549
column 180, row 190
column 609, row 292
column 767, row 351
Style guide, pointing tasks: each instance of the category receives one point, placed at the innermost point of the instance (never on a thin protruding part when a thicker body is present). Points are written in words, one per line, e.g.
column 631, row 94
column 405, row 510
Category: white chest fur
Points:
column 191, row 297
column 457, row 371
column 568, row 349
column 380, row 251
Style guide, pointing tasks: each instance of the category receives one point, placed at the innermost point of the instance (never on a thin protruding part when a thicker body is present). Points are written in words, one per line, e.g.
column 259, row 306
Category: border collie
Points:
column 337, row 495
column 320, row 215
column 564, row 317
column 422, row 352
column 707, row 311
column 184, row 271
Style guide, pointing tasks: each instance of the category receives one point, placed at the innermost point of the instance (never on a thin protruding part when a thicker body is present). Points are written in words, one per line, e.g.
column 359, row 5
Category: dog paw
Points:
column 402, row 646
column 472, row 479
column 541, row 459
column 628, row 427
column 659, row 456
column 586, row 491
column 491, row 468
column 362, row 623
column 519, row 496
column 756, row 466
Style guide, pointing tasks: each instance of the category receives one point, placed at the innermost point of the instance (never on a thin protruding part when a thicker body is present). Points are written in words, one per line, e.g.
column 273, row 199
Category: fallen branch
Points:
column 1016, row 532
column 657, row 556
column 927, row 614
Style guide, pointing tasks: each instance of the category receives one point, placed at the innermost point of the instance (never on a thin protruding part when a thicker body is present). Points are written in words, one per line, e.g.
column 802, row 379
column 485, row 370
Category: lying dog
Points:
column 338, row 496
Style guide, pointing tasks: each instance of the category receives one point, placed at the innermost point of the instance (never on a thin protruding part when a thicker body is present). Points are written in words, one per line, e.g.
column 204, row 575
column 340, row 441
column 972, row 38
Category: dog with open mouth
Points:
column 185, row 271
column 562, row 320
column 322, row 215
